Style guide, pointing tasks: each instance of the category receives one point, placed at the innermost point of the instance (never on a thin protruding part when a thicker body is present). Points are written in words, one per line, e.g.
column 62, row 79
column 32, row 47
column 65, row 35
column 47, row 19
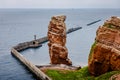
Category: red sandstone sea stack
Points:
column 57, row 40
column 105, row 52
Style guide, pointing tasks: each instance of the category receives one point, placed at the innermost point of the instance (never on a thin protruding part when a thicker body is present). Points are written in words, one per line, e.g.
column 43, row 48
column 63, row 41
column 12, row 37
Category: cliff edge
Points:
column 105, row 52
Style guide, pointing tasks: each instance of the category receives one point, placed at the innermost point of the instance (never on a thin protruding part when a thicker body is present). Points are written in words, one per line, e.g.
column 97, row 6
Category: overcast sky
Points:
column 59, row 3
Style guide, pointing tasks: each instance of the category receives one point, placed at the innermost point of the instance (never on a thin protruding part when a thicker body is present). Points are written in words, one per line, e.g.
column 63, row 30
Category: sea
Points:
column 20, row 25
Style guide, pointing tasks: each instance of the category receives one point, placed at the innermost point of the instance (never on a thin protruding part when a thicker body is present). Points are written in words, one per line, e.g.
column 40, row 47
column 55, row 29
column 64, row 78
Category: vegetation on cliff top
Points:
column 109, row 26
column 82, row 74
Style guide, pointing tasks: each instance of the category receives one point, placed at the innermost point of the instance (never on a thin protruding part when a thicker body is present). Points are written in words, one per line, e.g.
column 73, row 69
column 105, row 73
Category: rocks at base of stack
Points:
column 57, row 40
column 105, row 52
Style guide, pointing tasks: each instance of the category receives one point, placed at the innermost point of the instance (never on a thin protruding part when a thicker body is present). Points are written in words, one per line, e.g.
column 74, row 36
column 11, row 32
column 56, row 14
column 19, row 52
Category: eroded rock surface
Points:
column 57, row 40
column 115, row 77
column 105, row 52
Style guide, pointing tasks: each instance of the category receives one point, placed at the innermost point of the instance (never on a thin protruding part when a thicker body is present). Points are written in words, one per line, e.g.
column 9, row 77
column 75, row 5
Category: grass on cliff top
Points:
column 109, row 26
column 81, row 74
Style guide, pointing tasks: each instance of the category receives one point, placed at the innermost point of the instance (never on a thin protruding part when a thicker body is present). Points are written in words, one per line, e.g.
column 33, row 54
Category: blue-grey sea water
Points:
column 20, row 25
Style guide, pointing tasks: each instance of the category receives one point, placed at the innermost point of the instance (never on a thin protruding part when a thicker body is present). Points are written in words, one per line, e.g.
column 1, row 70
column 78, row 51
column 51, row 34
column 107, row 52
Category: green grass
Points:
column 107, row 75
column 109, row 26
column 82, row 74
column 92, row 49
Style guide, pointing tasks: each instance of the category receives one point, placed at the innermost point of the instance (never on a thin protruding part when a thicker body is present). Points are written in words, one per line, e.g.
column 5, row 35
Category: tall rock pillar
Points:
column 57, row 40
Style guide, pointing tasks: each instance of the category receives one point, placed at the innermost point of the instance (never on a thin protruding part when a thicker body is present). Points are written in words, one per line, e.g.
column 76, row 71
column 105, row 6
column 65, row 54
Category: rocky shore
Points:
column 104, row 57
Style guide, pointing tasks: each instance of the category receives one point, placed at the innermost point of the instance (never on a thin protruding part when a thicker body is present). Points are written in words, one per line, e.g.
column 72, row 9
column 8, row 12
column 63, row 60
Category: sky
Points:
column 59, row 3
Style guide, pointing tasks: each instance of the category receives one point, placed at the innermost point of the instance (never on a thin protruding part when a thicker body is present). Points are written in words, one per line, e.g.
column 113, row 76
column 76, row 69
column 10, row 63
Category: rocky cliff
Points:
column 105, row 52
column 57, row 40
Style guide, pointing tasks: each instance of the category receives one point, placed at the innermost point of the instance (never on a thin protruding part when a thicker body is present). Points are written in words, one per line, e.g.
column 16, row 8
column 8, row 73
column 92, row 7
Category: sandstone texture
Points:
column 105, row 52
column 57, row 40
column 115, row 77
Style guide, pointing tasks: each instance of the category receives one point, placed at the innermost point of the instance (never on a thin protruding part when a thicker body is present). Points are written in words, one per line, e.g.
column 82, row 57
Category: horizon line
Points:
column 57, row 8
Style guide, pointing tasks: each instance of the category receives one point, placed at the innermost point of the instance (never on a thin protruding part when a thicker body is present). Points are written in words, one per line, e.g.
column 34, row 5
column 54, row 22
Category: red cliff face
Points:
column 105, row 52
column 57, row 40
